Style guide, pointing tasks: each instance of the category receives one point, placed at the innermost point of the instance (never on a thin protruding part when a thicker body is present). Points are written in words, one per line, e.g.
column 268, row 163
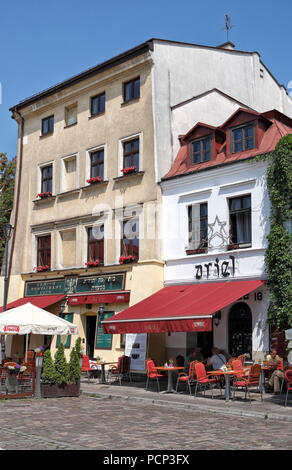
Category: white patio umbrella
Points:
column 28, row 319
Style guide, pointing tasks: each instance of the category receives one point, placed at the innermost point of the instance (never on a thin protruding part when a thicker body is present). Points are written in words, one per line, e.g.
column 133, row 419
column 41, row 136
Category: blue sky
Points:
column 44, row 43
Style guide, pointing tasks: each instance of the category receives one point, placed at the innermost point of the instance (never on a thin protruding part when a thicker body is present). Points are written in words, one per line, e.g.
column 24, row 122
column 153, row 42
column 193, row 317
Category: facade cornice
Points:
column 228, row 168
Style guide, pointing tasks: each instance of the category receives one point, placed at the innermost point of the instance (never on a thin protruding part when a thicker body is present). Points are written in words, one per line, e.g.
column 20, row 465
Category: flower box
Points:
column 127, row 171
column 44, row 195
column 127, row 259
column 40, row 269
column 58, row 391
column 96, row 179
column 92, row 264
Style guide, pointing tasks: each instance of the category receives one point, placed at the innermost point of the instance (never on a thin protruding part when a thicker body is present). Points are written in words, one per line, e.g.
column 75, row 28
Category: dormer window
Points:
column 243, row 138
column 201, row 150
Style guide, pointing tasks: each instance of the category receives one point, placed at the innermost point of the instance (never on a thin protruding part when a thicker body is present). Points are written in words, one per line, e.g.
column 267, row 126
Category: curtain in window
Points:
column 195, row 227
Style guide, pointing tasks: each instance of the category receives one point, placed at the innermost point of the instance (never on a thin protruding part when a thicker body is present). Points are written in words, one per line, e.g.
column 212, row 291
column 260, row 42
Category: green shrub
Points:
column 61, row 366
column 49, row 370
column 74, row 369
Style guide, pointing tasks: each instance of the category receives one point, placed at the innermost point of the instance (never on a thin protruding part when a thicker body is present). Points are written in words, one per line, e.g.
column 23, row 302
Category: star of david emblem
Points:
column 216, row 229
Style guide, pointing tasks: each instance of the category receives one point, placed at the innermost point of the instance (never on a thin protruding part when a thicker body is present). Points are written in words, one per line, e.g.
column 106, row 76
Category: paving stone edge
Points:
column 200, row 407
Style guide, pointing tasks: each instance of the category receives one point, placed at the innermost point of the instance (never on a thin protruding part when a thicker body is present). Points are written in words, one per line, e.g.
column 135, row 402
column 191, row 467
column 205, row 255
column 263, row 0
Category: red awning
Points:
column 41, row 301
column 109, row 298
column 179, row 308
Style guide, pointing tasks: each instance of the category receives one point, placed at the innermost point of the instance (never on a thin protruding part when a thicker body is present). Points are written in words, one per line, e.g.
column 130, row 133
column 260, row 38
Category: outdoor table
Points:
column 102, row 379
column 227, row 375
column 262, row 376
column 170, row 371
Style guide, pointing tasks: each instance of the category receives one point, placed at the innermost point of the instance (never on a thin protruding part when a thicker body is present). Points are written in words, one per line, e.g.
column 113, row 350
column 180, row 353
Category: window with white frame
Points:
column 69, row 173
column 240, row 221
column 198, row 226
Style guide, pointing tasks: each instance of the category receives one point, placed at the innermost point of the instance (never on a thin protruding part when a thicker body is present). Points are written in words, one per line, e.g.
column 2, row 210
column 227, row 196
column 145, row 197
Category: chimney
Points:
column 227, row 45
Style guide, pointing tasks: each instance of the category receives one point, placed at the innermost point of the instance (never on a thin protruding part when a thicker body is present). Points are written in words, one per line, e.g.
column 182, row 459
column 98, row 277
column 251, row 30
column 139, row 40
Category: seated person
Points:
column 216, row 361
column 195, row 355
column 277, row 376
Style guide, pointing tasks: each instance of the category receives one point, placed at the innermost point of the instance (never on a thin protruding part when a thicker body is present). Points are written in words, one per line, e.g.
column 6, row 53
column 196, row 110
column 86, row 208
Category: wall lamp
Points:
column 217, row 318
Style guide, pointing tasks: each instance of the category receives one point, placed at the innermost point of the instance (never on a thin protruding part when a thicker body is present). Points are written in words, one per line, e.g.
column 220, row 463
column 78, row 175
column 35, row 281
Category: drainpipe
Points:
column 17, row 195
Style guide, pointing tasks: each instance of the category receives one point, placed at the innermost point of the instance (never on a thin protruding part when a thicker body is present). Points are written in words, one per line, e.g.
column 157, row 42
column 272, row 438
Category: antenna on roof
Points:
column 228, row 25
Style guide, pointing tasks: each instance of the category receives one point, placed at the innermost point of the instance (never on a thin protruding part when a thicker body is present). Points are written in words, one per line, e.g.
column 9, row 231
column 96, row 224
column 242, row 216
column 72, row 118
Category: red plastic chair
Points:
column 120, row 371
column 86, row 367
column 241, row 358
column 204, row 381
column 246, row 383
column 238, row 368
column 187, row 379
column 152, row 374
column 288, row 378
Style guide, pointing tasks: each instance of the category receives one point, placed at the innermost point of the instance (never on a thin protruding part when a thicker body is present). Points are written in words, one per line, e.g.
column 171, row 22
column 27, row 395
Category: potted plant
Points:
column 92, row 263
column 40, row 269
column 127, row 259
column 94, row 179
column 44, row 195
column 127, row 171
column 59, row 378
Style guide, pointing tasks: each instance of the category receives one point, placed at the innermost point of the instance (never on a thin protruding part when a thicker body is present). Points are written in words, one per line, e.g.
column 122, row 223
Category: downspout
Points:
column 17, row 193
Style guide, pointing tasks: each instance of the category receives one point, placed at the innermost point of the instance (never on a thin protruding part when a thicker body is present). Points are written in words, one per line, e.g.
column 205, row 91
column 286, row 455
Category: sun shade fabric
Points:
column 28, row 319
column 42, row 301
column 179, row 308
column 113, row 298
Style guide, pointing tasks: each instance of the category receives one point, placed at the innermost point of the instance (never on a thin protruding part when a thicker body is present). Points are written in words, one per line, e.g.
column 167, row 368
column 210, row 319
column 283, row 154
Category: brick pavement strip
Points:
column 103, row 424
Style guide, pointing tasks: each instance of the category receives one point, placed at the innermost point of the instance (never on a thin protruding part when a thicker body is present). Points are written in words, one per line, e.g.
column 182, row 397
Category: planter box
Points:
column 57, row 391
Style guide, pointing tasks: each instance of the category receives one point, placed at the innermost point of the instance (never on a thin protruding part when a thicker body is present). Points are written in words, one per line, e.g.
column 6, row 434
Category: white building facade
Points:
column 216, row 221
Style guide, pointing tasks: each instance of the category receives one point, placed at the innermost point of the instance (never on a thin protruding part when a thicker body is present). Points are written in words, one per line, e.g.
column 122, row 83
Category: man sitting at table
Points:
column 195, row 355
column 216, row 361
column 277, row 376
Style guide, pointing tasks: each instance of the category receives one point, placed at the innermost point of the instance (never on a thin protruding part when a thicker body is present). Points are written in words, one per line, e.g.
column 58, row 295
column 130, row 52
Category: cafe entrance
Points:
column 90, row 335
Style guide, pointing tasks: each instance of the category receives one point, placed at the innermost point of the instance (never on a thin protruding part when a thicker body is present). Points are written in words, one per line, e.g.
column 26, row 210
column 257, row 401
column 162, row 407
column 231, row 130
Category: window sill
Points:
column 238, row 246
column 43, row 136
column 68, row 193
column 133, row 100
column 44, row 199
column 71, row 125
column 94, row 185
column 93, row 116
column 123, row 177
column 197, row 251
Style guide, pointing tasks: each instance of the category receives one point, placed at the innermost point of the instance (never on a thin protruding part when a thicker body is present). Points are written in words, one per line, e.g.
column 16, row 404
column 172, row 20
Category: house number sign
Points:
column 217, row 268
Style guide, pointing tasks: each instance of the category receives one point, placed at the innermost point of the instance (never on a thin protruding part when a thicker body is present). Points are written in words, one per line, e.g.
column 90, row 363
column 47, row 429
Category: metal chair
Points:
column 121, row 371
column 187, row 379
column 246, row 383
column 152, row 374
column 203, row 381
column 288, row 378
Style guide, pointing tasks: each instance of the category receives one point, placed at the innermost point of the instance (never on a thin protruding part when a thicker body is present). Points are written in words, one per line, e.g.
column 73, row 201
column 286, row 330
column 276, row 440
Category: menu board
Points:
column 103, row 341
column 136, row 349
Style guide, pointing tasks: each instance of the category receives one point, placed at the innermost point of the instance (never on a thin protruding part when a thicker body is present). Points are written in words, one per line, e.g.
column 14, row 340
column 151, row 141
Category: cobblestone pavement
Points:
column 103, row 424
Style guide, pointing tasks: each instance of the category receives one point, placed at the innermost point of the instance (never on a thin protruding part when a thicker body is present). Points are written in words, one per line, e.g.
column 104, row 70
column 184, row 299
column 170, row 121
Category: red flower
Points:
column 93, row 263
column 131, row 169
column 95, row 179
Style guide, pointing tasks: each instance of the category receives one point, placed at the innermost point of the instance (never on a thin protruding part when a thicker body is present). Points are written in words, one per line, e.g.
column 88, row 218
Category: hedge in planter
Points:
column 60, row 379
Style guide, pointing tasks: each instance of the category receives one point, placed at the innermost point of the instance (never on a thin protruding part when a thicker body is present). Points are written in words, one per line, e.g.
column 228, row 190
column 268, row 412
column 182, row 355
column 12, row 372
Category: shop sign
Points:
column 136, row 349
column 75, row 285
column 216, row 269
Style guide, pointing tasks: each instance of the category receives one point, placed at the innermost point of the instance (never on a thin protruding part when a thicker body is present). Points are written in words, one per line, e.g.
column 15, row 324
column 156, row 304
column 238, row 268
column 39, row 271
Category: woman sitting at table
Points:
column 277, row 376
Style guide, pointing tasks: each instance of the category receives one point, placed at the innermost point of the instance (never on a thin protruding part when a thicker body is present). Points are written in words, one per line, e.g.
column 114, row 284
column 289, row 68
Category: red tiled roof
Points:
column 268, row 143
